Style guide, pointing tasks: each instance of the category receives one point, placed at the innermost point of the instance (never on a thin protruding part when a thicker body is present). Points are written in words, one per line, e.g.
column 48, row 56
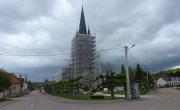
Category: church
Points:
column 83, row 53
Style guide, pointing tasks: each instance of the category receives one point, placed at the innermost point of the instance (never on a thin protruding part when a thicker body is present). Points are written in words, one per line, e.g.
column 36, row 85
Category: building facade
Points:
column 168, row 81
column 16, row 84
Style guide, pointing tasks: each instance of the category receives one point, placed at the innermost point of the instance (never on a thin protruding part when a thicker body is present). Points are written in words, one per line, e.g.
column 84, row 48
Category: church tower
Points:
column 83, row 51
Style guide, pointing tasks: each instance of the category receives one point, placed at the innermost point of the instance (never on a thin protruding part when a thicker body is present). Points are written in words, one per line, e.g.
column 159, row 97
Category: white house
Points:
column 15, row 84
column 168, row 81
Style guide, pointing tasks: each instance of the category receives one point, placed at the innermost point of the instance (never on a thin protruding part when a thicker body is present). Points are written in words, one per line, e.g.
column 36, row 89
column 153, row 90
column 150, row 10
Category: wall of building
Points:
column 161, row 82
column 173, row 81
column 15, row 89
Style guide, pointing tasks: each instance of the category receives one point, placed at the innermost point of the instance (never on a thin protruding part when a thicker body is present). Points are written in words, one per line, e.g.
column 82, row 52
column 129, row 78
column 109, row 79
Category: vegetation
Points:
column 2, row 100
column 4, row 80
column 143, row 78
column 110, row 80
column 169, row 73
column 84, row 97
column 34, row 85
column 137, row 75
column 76, row 89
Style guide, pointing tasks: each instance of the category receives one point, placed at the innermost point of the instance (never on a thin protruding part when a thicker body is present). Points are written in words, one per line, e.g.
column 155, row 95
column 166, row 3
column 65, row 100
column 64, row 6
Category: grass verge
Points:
column 2, row 100
column 85, row 97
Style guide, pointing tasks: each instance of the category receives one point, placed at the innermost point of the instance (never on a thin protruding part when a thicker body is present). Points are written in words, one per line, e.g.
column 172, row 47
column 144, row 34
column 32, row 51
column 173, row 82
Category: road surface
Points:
column 163, row 99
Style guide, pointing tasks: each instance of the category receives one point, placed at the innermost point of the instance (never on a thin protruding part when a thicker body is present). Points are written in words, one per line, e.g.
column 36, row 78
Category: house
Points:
column 168, row 81
column 15, row 87
column 24, row 85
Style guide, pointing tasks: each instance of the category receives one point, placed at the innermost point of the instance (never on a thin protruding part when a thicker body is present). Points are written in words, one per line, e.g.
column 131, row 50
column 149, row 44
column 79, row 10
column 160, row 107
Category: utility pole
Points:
column 154, row 83
column 128, row 91
column 128, row 88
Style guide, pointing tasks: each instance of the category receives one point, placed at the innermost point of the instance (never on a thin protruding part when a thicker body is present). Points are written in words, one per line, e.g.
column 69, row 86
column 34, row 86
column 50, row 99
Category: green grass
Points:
column 85, row 97
column 144, row 91
column 2, row 100
column 75, row 97
column 121, row 93
column 116, row 98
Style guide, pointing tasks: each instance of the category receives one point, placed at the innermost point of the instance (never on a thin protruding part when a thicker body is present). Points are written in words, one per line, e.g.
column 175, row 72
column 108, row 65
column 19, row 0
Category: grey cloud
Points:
column 47, row 27
column 16, row 11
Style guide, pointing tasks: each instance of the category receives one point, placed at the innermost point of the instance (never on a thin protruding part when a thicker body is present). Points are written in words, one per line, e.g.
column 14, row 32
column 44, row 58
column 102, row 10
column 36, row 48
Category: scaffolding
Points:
column 83, row 55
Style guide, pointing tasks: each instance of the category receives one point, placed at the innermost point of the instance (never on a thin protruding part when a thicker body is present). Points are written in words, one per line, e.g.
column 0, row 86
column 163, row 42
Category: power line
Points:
column 57, row 54
column 33, row 54
column 139, row 62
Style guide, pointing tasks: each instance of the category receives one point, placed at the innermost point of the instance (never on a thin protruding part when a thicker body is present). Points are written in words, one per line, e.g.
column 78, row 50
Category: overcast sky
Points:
column 46, row 27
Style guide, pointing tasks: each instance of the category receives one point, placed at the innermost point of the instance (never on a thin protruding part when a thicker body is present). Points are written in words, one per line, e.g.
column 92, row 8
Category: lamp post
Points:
column 128, row 91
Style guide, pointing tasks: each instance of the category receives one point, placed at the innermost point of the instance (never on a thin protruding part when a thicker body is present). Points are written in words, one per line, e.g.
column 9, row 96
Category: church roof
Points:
column 82, row 25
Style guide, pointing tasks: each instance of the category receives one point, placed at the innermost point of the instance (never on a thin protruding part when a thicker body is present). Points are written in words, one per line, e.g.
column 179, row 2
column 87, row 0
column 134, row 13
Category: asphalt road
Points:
column 163, row 99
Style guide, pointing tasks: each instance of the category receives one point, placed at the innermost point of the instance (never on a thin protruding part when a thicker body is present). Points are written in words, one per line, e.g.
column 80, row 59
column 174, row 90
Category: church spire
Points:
column 82, row 25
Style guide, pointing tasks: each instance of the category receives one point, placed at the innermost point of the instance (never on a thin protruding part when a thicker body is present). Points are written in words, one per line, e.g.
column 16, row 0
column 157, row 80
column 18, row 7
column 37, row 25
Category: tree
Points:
column 122, row 77
column 76, row 84
column 4, row 80
column 110, row 81
column 139, row 74
column 178, row 72
column 123, row 71
column 132, row 75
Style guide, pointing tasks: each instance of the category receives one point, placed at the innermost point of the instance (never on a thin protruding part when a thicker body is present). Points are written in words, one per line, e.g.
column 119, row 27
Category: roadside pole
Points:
column 127, row 74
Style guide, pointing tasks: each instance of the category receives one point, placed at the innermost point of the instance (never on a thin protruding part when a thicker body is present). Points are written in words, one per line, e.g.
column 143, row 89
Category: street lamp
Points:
column 128, row 91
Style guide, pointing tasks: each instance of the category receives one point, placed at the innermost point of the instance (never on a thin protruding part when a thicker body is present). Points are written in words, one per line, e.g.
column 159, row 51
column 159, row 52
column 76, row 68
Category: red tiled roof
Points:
column 14, row 79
